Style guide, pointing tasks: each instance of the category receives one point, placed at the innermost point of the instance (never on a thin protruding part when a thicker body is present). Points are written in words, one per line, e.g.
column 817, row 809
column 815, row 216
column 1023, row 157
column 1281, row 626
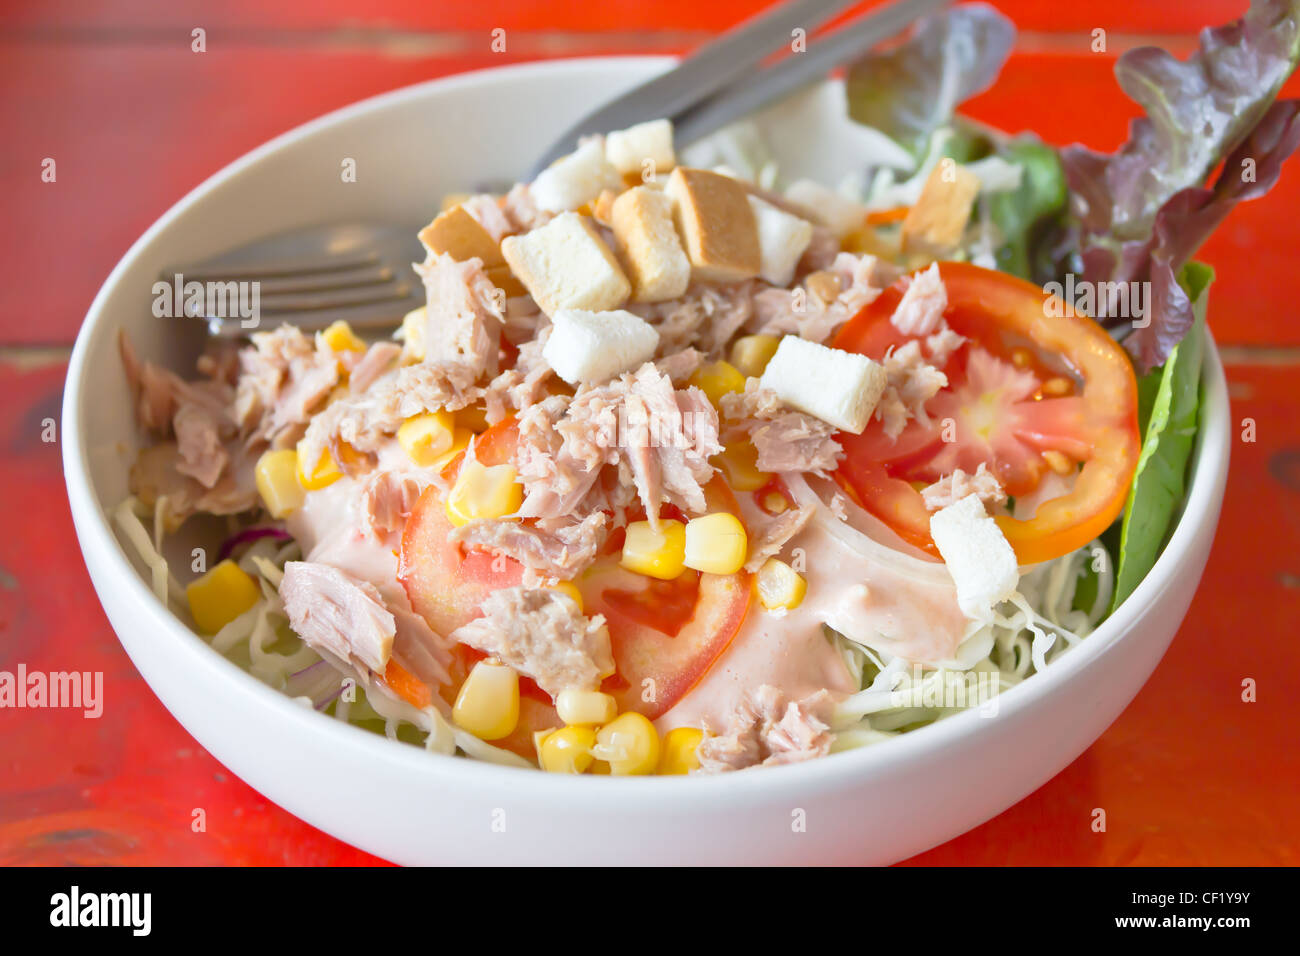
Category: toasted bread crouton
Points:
column 716, row 225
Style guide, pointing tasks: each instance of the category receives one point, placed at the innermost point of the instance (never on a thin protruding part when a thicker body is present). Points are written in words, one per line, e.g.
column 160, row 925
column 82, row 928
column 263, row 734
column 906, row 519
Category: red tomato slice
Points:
column 995, row 412
column 666, row 634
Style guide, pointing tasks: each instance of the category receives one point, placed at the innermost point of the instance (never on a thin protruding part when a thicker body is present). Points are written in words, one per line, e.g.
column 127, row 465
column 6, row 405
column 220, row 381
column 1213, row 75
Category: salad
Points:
column 689, row 468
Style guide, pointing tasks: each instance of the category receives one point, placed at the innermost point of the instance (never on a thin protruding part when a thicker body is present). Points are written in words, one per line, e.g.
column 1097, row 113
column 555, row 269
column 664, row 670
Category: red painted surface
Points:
column 1188, row 774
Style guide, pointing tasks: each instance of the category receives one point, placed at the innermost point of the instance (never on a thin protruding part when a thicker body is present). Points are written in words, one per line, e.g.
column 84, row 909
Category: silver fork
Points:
column 361, row 272
column 358, row 272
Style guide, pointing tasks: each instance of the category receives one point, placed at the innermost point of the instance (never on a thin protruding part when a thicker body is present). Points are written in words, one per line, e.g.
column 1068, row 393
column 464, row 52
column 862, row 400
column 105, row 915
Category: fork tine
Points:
column 714, row 66
column 320, row 280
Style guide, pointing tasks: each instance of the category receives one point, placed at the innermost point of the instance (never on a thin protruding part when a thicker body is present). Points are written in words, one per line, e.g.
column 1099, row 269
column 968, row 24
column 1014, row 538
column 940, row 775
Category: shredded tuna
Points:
column 950, row 489
column 517, row 388
column 542, row 634
column 664, row 437
column 679, row 366
column 387, row 499
column 335, row 612
column 768, row 728
column 484, row 208
column 769, row 538
column 921, row 309
column 548, row 555
column 785, row 440
column 940, row 345
column 464, row 315
column 822, row 250
column 705, row 316
column 355, row 427
column 202, row 456
column 911, row 383
column 801, row 312
column 522, row 212
column 378, row 361
column 284, row 379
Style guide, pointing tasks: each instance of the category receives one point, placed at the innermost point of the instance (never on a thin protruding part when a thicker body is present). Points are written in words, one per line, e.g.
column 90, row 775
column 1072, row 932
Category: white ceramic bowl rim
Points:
column 96, row 535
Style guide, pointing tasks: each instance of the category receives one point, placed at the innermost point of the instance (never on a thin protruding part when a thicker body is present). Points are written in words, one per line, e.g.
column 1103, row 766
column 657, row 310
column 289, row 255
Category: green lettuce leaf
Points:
column 1169, row 405
column 1019, row 214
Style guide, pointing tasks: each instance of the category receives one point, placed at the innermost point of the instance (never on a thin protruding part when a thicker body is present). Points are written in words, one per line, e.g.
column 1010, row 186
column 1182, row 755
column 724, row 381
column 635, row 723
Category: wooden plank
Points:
column 568, row 15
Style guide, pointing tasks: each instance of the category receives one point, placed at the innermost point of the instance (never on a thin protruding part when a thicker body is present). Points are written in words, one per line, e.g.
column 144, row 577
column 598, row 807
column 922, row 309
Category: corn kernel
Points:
column 780, row 586
column 716, row 543
column 412, row 333
column 324, row 474
column 585, row 707
column 738, row 463
column 1021, row 357
column 488, row 703
column 600, row 768
column 341, row 338
column 459, row 442
column 658, row 554
column 220, row 596
column 677, row 756
column 751, row 353
column 276, row 475
column 717, row 379
column 483, row 491
column 570, row 590
column 629, row 743
column 567, row 750
column 426, row 438
column 473, row 417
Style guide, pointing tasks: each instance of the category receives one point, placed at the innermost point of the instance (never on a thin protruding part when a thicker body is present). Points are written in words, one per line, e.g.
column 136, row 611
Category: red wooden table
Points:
column 111, row 90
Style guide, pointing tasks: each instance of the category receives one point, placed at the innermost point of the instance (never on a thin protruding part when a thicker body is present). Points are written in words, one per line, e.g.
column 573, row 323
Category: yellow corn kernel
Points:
column 600, row 768
column 751, row 353
column 567, row 750
column 658, row 554
column 426, row 438
column 459, row 442
column 324, row 474
column 412, row 334
column 220, row 596
column 276, row 475
column 473, row 418
column 738, row 463
column 716, row 543
column 629, row 744
column 569, row 589
column 539, row 736
column 780, row 586
column 483, row 491
column 341, row 338
column 677, row 755
column 717, row 379
column 488, row 703
column 585, row 706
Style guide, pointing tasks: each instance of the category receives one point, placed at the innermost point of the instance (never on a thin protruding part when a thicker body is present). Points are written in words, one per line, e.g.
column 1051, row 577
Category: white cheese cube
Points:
column 981, row 562
column 592, row 347
column 837, row 213
column 575, row 179
column 566, row 265
column 838, row 387
column 782, row 238
column 628, row 149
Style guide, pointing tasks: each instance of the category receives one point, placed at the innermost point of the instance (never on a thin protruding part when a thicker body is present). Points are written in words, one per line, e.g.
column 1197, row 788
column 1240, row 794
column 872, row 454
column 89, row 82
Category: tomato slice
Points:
column 995, row 411
column 666, row 635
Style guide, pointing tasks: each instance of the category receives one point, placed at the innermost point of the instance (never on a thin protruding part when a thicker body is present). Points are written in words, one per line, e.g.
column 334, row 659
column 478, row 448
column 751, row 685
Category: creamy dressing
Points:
column 890, row 597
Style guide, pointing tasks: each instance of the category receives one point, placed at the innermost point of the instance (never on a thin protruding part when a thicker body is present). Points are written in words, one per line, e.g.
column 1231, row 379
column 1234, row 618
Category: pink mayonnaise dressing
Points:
column 894, row 600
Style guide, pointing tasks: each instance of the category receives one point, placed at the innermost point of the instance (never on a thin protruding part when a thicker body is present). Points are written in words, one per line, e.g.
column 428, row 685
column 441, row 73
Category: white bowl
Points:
column 875, row 805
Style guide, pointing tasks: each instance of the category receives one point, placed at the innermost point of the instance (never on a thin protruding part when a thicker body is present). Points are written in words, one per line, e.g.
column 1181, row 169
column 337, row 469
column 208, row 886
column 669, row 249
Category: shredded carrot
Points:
column 407, row 686
column 884, row 217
